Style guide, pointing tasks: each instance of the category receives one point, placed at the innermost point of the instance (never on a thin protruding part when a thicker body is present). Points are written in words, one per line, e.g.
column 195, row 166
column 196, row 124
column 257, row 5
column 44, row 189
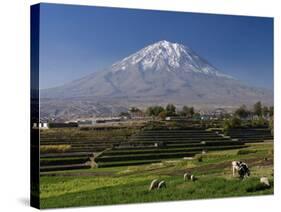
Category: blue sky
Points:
column 79, row 40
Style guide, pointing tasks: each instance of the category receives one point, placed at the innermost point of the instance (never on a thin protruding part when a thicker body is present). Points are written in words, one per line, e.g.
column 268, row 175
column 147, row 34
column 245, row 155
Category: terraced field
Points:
column 251, row 135
column 68, row 149
column 130, row 158
column 150, row 146
column 73, row 148
column 129, row 184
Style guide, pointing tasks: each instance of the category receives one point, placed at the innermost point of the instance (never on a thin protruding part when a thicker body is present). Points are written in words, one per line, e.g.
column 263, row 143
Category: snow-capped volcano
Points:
column 165, row 55
column 160, row 73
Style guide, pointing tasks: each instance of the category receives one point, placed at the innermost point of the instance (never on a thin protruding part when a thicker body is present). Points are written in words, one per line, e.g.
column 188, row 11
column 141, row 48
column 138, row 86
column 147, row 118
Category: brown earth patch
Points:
column 205, row 169
column 81, row 174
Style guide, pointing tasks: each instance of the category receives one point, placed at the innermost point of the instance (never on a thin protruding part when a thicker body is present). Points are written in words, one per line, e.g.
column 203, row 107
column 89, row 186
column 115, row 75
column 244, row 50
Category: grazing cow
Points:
column 154, row 184
column 162, row 184
column 243, row 170
column 186, row 176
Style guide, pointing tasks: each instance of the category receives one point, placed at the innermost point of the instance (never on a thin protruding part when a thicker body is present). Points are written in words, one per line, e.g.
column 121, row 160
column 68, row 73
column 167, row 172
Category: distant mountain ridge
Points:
column 159, row 73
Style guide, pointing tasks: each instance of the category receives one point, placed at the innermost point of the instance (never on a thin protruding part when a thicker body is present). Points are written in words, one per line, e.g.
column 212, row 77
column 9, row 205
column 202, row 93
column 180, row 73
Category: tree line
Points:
column 258, row 116
column 258, row 110
column 169, row 110
column 243, row 112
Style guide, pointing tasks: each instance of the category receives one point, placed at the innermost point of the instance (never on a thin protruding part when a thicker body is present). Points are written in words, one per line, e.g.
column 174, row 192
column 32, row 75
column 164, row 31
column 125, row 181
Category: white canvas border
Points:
column 14, row 84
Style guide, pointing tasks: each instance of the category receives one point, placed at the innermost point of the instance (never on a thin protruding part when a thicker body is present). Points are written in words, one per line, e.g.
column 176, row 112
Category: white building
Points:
column 41, row 125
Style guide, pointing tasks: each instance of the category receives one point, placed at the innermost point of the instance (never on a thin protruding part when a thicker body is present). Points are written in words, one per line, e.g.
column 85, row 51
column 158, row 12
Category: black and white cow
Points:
column 241, row 168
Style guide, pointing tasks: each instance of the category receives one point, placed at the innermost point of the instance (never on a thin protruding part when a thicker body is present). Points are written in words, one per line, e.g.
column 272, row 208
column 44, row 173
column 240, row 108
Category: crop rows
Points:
column 251, row 135
column 67, row 149
column 165, row 144
column 136, row 147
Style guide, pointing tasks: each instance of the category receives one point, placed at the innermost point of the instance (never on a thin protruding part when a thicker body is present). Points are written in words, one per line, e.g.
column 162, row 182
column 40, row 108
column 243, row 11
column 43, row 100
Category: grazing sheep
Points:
column 154, row 184
column 265, row 181
column 186, row 176
column 204, row 151
column 162, row 184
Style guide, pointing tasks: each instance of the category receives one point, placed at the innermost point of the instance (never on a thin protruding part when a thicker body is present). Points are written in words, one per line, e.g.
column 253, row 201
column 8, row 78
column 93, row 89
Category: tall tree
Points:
column 271, row 111
column 191, row 111
column 134, row 109
column 184, row 111
column 162, row 114
column 187, row 111
column 258, row 109
column 265, row 111
column 171, row 110
column 154, row 110
column 242, row 112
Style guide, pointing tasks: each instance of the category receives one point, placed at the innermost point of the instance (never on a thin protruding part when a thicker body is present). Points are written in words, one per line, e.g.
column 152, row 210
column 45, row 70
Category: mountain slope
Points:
column 159, row 73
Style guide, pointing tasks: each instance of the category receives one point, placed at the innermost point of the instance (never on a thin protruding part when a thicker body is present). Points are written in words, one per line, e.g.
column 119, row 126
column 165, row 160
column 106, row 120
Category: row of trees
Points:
column 264, row 117
column 242, row 112
column 170, row 110
column 235, row 122
column 258, row 110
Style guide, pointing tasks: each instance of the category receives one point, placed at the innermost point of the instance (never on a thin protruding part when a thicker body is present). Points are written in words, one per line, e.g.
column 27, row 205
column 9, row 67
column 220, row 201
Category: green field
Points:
column 129, row 184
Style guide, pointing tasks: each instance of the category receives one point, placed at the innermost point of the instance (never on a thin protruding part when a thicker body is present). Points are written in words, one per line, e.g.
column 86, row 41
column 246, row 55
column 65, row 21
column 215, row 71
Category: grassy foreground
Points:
column 119, row 185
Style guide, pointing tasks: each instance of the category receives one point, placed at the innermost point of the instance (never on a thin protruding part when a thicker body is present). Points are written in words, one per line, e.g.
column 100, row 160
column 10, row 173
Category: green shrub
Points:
column 228, row 124
column 162, row 115
column 246, row 151
column 259, row 187
column 154, row 110
column 271, row 126
column 260, row 122
column 155, row 125
column 54, row 148
column 199, row 158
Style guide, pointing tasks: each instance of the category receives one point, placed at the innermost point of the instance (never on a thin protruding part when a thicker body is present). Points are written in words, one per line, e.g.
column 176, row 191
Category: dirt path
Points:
column 205, row 169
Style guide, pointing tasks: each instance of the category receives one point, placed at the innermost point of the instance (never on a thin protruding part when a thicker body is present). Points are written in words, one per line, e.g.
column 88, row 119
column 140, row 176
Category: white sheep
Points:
column 154, row 184
column 264, row 181
column 193, row 178
column 162, row 184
